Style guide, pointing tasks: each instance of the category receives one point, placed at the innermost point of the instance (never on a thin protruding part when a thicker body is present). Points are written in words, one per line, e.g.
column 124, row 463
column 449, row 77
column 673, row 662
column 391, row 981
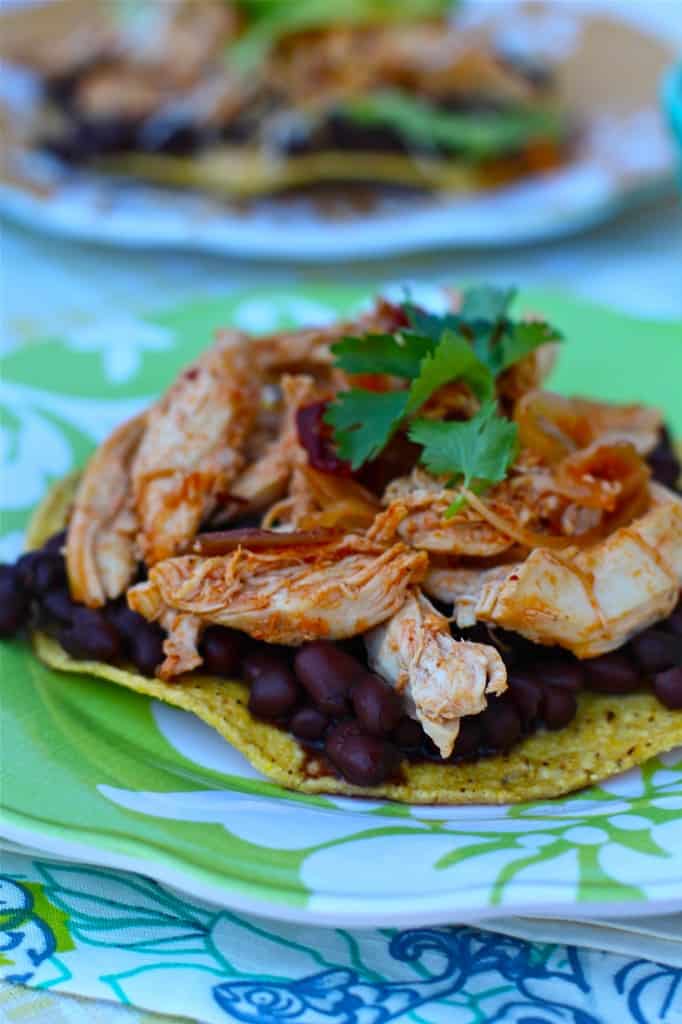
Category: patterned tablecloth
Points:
column 110, row 937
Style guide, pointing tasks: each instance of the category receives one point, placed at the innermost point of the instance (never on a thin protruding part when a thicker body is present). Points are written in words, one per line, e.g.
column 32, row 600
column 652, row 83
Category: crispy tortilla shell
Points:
column 245, row 173
column 608, row 735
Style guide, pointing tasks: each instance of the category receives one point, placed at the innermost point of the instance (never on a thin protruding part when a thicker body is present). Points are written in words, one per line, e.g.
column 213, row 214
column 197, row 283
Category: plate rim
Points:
column 21, row 207
column 326, row 909
column 433, row 910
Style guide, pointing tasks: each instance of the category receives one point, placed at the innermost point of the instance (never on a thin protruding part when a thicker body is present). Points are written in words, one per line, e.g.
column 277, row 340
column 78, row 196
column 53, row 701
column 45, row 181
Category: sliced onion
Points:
column 585, row 475
column 222, row 542
column 635, row 505
column 551, row 425
column 314, row 436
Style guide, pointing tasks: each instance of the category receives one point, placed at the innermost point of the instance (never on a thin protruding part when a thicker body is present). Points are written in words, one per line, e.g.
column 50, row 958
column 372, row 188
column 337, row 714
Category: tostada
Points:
column 379, row 558
column 247, row 97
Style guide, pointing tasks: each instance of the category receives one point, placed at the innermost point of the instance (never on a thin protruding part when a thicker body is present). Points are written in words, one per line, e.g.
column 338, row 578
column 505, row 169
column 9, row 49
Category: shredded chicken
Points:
column 100, row 546
column 335, row 589
column 425, row 527
column 440, row 678
column 461, row 586
column 595, row 600
column 191, row 450
column 266, row 479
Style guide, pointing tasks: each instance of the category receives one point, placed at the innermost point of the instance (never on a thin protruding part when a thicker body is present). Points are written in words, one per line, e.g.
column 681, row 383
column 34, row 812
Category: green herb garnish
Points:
column 473, row 346
column 476, row 135
column 268, row 21
column 477, row 452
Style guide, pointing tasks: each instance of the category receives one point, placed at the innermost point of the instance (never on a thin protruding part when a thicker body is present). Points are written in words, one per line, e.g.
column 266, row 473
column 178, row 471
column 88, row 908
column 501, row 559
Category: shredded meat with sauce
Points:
column 575, row 547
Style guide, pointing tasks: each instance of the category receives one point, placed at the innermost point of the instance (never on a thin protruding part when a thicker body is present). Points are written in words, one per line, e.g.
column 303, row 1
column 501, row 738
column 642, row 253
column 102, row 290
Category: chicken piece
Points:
column 100, row 545
column 57, row 40
column 308, row 350
column 528, row 374
column 440, row 678
column 118, row 90
column 191, row 450
column 185, row 38
column 323, row 501
column 594, row 600
column 289, row 595
column 425, row 527
column 461, row 586
column 266, row 479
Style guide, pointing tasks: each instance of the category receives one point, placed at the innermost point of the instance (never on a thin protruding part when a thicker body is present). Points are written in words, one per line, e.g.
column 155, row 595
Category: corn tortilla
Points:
column 608, row 735
column 244, row 173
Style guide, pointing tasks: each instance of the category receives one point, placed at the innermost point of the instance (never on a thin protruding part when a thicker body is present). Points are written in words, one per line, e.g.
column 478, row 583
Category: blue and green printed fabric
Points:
column 122, row 937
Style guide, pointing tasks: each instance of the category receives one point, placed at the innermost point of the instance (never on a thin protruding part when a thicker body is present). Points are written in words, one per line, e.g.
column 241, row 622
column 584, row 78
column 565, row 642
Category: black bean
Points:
column 145, row 648
column 221, row 650
column 26, row 566
column 665, row 471
column 674, row 622
column 262, row 659
column 657, row 650
column 376, row 704
column 54, row 545
column 468, row 738
column 668, row 688
column 559, row 707
column 500, row 724
column 563, row 672
column 14, row 601
column 328, row 674
column 362, row 760
column 123, row 618
column 613, row 673
column 48, row 572
column 408, row 733
column 90, row 636
column 274, row 693
column 309, row 724
column 58, row 604
column 526, row 692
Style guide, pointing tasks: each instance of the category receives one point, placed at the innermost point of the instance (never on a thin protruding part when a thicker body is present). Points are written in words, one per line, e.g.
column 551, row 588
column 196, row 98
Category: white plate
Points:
column 625, row 157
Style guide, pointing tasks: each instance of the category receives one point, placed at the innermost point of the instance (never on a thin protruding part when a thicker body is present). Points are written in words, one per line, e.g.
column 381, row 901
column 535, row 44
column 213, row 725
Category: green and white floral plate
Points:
column 95, row 773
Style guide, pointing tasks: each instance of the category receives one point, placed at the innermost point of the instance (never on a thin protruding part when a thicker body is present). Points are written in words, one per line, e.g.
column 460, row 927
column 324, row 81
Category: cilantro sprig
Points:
column 475, row 453
column 474, row 345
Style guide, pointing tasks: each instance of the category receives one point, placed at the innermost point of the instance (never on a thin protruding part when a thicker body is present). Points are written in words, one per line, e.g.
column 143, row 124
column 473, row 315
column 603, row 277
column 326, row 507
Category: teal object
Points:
column 672, row 102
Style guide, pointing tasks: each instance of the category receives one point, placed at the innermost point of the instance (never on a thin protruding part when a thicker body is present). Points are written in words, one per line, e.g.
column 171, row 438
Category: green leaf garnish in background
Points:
column 478, row 451
column 486, row 302
column 476, row 135
column 268, row 21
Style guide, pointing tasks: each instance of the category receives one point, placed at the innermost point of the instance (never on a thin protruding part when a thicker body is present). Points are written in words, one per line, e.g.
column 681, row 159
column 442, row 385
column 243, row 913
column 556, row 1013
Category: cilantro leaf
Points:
column 431, row 325
column 398, row 355
column 453, row 359
column 474, row 135
column 364, row 421
column 480, row 449
column 486, row 302
column 520, row 339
